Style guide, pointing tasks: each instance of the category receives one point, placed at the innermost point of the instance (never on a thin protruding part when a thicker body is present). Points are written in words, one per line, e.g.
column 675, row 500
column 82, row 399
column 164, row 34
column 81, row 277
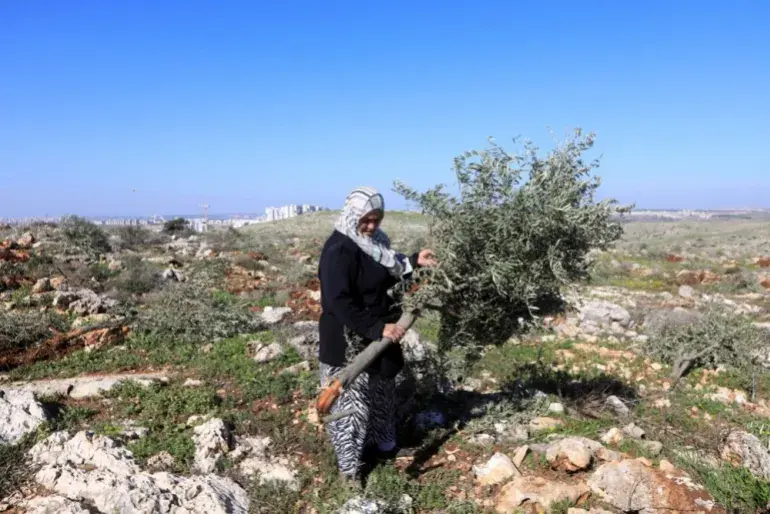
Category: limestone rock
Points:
column 162, row 461
column 173, row 275
column 519, row 455
column 572, row 453
column 26, row 240
column 556, row 408
column 275, row 315
column 633, row 431
column 54, row 504
column 85, row 387
column 42, row 286
column 613, row 436
column 82, row 302
column 360, row 505
column 747, row 450
column 654, row 448
column 686, row 292
column 538, row 490
column 603, row 313
column 102, row 473
column 20, row 414
column 542, row 424
column 212, row 441
column 497, row 470
column 657, row 320
column 265, row 352
column 617, row 406
column 631, row 486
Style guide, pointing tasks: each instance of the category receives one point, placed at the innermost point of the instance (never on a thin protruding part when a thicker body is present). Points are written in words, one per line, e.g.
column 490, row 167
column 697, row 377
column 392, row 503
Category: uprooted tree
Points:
column 518, row 232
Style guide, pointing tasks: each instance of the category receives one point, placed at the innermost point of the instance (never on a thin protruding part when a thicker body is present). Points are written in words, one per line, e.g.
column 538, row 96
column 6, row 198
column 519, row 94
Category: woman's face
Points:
column 369, row 223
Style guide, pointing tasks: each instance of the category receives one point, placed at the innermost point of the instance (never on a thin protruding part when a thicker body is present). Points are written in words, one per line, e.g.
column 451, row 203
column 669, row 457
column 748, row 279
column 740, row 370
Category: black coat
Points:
column 354, row 294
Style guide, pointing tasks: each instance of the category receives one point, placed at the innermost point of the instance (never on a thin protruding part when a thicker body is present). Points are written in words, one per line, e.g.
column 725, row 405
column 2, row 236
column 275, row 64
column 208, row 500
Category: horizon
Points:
column 139, row 108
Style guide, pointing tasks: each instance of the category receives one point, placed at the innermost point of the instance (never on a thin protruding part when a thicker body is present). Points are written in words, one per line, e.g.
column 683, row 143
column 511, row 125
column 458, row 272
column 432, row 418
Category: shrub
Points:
column 719, row 337
column 137, row 277
column 132, row 237
column 85, row 236
column 21, row 330
column 190, row 312
column 507, row 247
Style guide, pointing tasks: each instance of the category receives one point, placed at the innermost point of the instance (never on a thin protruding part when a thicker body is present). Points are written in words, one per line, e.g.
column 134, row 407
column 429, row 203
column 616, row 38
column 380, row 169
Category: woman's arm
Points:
column 336, row 282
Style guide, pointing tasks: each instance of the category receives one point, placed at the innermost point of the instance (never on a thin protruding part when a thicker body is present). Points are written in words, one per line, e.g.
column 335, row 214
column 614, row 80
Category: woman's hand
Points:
column 426, row 259
column 393, row 332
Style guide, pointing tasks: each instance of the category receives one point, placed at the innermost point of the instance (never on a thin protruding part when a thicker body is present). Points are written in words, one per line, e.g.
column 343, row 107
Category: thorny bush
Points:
column 507, row 246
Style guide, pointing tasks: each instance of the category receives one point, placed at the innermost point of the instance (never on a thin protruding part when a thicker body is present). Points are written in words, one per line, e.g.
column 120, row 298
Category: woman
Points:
column 356, row 270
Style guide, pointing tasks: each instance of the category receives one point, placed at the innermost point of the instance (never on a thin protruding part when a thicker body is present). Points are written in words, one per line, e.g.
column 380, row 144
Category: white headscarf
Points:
column 360, row 202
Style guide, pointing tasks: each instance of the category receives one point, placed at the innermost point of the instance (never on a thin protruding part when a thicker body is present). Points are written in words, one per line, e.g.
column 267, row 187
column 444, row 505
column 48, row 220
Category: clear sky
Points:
column 244, row 104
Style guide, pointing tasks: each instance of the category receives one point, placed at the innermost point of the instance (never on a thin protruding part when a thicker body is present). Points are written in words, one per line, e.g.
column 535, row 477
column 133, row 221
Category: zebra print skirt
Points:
column 372, row 400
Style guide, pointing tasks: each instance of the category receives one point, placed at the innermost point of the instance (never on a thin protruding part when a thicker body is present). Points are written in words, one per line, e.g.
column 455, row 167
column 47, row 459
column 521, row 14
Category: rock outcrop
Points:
column 20, row 414
column 102, row 474
column 632, row 486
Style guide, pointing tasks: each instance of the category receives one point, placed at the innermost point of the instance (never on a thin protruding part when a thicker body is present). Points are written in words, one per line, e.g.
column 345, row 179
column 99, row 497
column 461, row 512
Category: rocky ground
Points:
column 176, row 373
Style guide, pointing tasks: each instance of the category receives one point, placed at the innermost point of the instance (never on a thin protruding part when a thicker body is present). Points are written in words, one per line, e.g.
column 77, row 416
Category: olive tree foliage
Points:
column 717, row 337
column 516, row 234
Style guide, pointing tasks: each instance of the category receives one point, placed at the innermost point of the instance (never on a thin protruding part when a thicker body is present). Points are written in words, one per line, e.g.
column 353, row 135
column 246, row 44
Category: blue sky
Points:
column 248, row 104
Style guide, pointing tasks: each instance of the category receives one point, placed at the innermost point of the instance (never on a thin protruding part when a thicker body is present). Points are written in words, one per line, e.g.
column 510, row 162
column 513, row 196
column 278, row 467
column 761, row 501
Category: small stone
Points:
column 556, row 408
column 667, row 467
column 275, row 315
column 298, row 368
column 654, row 448
column 162, row 461
column 613, row 436
column 617, row 406
column 686, row 291
column 498, row 469
column 633, row 431
column 519, row 455
column 540, row 424
column 191, row 382
column 267, row 352
column 482, row 440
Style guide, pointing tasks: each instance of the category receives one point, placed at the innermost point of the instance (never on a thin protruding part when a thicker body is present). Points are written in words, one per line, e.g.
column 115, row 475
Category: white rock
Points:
column 54, row 504
column 191, row 382
column 162, row 461
column 747, row 450
column 274, row 315
column 212, row 441
column 603, row 313
column 572, row 453
column 20, row 414
column 84, row 387
column 498, row 469
column 617, row 406
column 267, row 352
column 633, row 431
column 556, row 408
column 102, row 473
column 686, row 292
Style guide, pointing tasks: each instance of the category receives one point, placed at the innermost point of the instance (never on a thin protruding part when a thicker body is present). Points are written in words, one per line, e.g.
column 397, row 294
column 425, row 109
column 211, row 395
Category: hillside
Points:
column 147, row 372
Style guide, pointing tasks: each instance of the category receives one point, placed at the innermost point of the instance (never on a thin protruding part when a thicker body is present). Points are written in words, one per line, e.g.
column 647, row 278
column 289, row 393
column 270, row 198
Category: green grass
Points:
column 734, row 488
column 164, row 410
